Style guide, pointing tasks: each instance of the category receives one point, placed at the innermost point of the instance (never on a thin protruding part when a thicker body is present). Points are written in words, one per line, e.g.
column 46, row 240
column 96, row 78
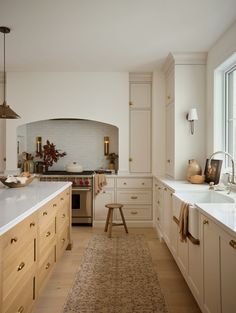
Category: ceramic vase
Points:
column 193, row 169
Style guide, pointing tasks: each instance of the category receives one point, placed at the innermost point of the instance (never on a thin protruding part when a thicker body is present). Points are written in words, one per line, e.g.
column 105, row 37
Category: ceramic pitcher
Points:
column 193, row 168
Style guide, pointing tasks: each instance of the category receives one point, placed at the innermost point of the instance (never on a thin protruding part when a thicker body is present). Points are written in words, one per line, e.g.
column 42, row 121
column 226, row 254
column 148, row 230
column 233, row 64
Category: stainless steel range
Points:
column 82, row 193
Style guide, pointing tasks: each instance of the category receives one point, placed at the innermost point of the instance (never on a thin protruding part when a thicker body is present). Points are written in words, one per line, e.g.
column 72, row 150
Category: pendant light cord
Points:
column 4, row 72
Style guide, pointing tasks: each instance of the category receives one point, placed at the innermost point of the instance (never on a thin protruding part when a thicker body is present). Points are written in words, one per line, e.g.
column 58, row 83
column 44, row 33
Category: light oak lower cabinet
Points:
column 28, row 253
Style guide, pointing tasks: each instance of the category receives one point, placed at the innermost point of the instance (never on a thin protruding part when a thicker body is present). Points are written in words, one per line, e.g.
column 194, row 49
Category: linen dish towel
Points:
column 99, row 182
column 183, row 221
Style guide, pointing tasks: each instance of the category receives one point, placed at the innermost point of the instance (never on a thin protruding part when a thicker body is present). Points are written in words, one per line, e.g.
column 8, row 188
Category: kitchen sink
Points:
column 192, row 197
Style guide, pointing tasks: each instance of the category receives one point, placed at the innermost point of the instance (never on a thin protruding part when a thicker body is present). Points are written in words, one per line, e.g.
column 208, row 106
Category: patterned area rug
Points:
column 116, row 276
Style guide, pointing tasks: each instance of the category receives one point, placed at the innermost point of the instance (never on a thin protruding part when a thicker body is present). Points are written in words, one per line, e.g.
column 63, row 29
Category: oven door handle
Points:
column 81, row 189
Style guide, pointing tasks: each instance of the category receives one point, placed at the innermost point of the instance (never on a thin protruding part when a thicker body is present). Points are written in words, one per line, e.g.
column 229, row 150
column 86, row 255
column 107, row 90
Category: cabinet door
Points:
column 170, row 140
column 104, row 197
column 170, row 86
column 140, row 141
column 228, row 272
column 140, row 95
column 167, row 214
column 211, row 266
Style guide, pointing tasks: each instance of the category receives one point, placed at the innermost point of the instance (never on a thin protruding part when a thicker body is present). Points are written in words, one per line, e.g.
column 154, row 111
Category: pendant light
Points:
column 5, row 111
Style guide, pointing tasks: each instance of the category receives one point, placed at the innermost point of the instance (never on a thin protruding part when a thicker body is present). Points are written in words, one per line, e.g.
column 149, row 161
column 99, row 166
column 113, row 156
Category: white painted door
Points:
column 140, row 141
column 211, row 266
column 228, row 272
column 170, row 139
column 101, row 199
column 140, row 95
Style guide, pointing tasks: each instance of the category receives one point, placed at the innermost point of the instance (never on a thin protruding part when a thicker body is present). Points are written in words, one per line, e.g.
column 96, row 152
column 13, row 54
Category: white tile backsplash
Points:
column 82, row 140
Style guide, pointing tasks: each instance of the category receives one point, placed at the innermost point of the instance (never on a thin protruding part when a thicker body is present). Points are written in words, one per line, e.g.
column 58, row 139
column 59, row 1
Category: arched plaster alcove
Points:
column 82, row 140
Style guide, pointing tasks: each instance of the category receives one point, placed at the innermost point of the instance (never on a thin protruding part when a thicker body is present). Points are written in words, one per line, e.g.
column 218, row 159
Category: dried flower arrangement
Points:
column 49, row 154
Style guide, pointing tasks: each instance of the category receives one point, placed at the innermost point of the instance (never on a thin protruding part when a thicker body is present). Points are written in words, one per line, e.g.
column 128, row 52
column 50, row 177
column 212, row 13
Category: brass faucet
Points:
column 232, row 181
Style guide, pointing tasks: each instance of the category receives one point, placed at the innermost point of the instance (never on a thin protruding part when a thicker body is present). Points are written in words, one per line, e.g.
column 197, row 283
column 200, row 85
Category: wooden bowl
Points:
column 197, row 179
column 16, row 185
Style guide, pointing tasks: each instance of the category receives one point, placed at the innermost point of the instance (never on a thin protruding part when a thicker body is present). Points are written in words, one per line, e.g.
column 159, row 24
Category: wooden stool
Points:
column 109, row 220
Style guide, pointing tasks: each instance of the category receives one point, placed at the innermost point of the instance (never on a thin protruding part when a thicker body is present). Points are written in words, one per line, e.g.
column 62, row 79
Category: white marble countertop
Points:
column 222, row 214
column 18, row 203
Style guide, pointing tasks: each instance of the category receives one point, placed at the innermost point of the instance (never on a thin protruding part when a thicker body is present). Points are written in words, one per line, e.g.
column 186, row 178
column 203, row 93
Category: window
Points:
column 230, row 110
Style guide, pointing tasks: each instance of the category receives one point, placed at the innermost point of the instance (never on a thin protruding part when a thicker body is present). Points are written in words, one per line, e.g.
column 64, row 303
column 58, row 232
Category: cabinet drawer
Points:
column 62, row 219
column 23, row 301
column 132, row 197
column 62, row 242
column 63, row 199
column 136, row 213
column 47, row 239
column 134, row 183
column 15, row 238
column 45, row 268
column 19, row 267
column 47, row 214
column 110, row 182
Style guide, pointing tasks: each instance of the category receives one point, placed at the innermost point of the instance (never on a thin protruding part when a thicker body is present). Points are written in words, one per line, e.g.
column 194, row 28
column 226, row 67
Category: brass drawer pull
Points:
column 165, row 189
column 63, row 215
column 232, row 243
column 32, row 224
column 63, row 240
column 20, row 310
column 21, row 266
column 47, row 266
column 158, row 202
column 48, row 234
column 124, row 183
column 205, row 222
column 159, row 188
column 54, row 205
column 14, row 239
column 62, row 199
column 168, row 161
column 134, row 197
column 143, row 184
column 45, row 213
column 134, row 212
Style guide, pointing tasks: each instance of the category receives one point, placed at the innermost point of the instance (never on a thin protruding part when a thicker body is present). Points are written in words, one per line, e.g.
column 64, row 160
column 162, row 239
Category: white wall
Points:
column 82, row 140
column 98, row 96
column 222, row 50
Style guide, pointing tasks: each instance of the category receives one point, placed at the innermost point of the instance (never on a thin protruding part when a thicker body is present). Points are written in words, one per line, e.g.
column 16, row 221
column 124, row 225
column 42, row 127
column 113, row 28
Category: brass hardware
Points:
column 63, row 215
column 14, row 239
column 134, row 197
column 158, row 202
column 158, row 219
column 165, row 189
column 67, row 193
column 205, row 222
column 130, row 103
column 48, row 234
column 124, row 184
column 47, row 266
column 130, row 159
column 232, row 243
column 134, row 212
column 63, row 240
column 62, row 199
column 32, row 224
column 106, row 144
column 20, row 310
column 171, row 194
column 159, row 188
column 168, row 97
column 45, row 213
column 54, row 205
column 143, row 184
column 20, row 266
column 104, row 191
column 168, row 161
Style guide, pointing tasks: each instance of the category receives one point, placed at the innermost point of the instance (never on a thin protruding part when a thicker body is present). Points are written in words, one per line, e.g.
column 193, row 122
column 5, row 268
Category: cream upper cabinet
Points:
column 140, row 122
column 140, row 95
column 140, row 141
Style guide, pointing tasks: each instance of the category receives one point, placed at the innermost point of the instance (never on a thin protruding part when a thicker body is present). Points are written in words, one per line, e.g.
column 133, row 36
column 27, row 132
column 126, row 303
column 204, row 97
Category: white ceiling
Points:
column 108, row 35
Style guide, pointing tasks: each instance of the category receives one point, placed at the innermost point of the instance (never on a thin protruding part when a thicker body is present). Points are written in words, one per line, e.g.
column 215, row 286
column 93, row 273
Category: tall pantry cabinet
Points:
column 140, row 122
column 185, row 89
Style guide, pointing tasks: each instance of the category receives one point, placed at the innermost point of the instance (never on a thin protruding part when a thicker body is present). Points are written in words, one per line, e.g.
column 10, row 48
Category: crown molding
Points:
column 140, row 77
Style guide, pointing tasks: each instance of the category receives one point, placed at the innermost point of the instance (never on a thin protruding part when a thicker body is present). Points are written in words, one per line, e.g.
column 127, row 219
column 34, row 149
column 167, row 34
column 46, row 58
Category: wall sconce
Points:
column 38, row 144
column 191, row 117
column 106, row 145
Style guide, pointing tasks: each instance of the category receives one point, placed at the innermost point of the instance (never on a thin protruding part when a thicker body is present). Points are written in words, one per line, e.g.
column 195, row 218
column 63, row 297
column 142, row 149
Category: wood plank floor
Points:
column 176, row 292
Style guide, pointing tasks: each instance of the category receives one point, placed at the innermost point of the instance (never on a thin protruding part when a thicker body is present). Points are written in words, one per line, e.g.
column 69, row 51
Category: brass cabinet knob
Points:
column 14, row 239
column 134, row 212
column 47, row 266
column 134, row 197
column 165, row 189
column 62, row 199
column 130, row 159
column 22, row 265
column 130, row 103
column 63, row 240
column 63, row 215
column 168, row 161
column 45, row 213
column 48, row 234
column 54, row 205
column 232, row 243
column 168, row 97
column 32, row 224
column 205, row 222
column 124, row 183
